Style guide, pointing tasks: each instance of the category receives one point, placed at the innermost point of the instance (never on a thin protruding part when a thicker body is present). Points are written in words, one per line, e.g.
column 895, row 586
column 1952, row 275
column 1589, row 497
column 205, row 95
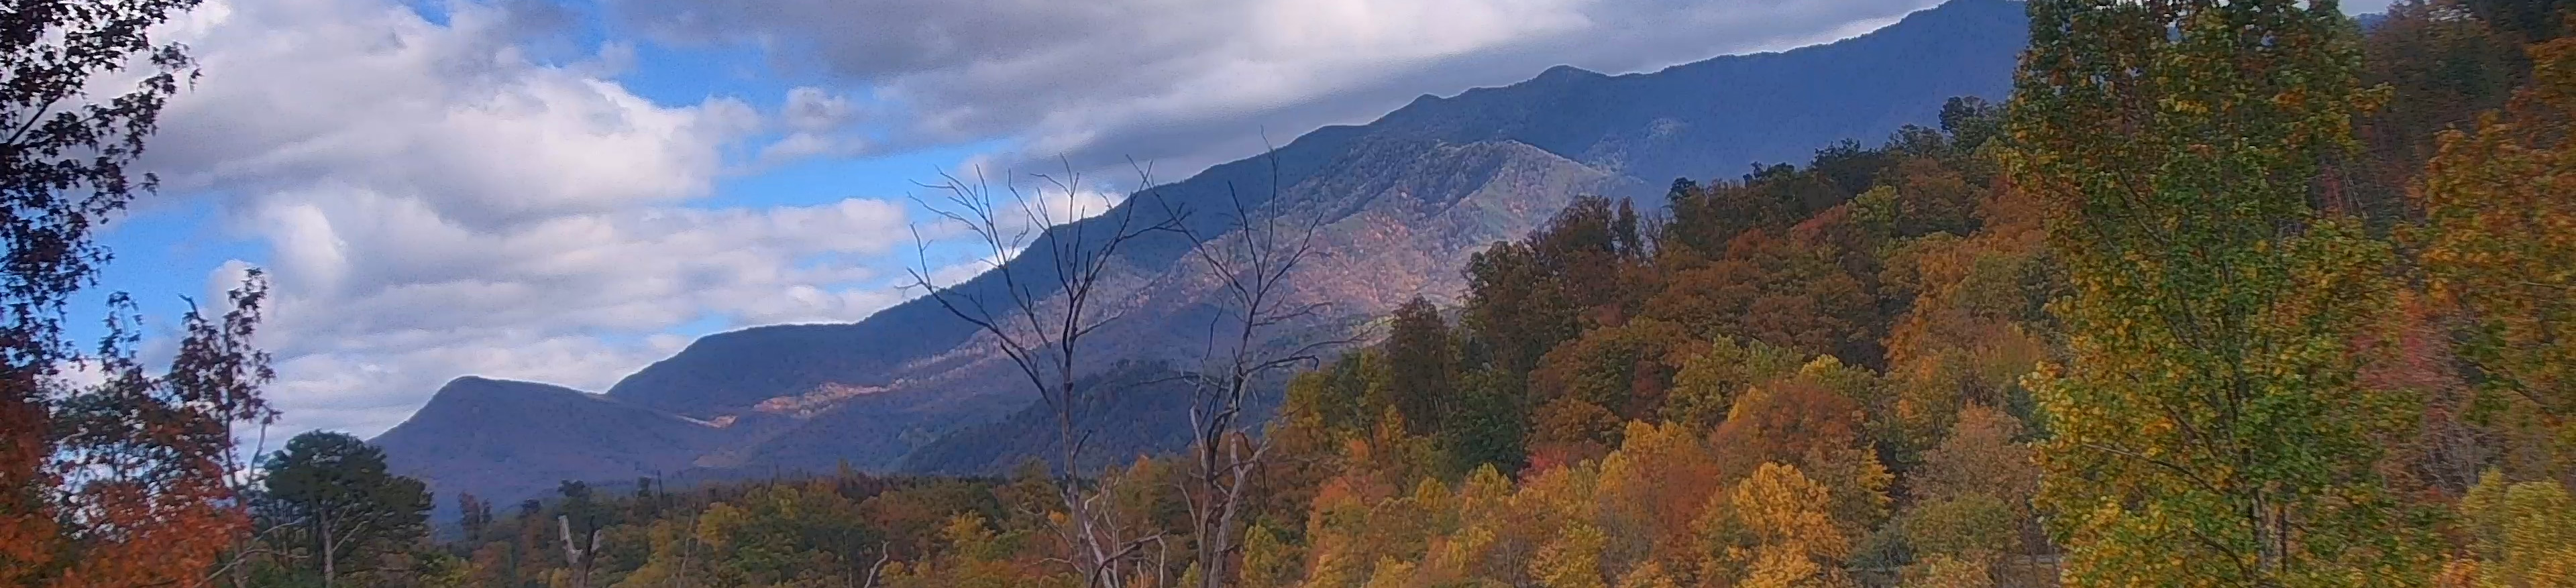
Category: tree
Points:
column 1586, row 387
column 474, row 516
column 1972, row 493
column 1489, row 424
column 1525, row 296
column 1941, row 571
column 2443, row 65
column 119, row 484
column 334, row 489
column 1572, row 560
column 2207, row 427
column 2498, row 240
column 2521, row 535
column 1708, row 381
column 1971, row 121
column 144, row 463
column 1980, row 456
column 1654, row 486
column 1252, row 262
column 1772, row 529
column 1037, row 309
column 1423, row 366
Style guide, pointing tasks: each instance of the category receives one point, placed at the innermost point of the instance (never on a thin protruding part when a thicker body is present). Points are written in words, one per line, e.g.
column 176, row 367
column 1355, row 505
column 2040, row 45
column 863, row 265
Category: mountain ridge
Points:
column 527, row 435
column 1403, row 200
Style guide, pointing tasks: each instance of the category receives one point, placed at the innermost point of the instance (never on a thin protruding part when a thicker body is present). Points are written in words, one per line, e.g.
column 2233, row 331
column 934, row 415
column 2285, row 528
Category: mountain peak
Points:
column 1564, row 73
column 508, row 439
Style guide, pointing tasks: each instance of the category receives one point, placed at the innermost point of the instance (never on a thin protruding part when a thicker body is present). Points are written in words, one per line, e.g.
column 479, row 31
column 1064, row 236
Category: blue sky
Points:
column 566, row 191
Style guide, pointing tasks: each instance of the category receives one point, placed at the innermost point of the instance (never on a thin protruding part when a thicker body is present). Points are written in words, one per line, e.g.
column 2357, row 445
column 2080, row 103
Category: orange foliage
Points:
column 1610, row 375
column 1968, row 337
column 132, row 471
column 1784, row 421
column 2499, row 241
column 1657, row 483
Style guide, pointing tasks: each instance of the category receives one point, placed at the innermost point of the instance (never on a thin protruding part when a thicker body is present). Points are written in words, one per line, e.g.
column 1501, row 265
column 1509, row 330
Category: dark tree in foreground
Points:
column 333, row 492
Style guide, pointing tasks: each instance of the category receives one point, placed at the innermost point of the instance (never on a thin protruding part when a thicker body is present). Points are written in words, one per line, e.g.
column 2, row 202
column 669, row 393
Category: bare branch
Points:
column 1047, row 289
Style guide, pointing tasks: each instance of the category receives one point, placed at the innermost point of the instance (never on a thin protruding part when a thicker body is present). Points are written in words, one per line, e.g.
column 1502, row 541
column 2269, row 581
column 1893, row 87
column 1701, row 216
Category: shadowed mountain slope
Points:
column 505, row 439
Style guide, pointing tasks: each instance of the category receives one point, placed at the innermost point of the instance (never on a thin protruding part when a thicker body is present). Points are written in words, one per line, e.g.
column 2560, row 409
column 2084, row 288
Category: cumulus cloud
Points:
column 437, row 202
column 1188, row 83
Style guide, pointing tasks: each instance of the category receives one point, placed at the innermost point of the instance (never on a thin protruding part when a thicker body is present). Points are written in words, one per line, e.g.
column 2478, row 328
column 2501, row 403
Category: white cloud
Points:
column 437, row 203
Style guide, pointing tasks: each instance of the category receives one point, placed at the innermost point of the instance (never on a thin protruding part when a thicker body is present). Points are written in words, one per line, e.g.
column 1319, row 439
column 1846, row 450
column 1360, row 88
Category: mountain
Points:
column 1401, row 201
column 505, row 439
column 1133, row 392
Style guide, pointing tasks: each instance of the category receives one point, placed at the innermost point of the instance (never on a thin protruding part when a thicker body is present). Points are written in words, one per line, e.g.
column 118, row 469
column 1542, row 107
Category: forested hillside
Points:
column 2228, row 294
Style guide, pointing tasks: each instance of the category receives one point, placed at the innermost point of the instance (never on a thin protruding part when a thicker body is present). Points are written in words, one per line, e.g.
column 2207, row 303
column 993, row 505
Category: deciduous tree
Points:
column 2207, row 429
column 2499, row 242
column 121, row 483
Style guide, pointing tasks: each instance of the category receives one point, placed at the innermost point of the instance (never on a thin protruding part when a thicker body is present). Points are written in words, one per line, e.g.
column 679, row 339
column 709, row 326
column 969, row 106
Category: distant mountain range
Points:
column 1403, row 201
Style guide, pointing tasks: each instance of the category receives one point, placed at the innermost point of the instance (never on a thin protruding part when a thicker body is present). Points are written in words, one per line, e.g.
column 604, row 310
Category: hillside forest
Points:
column 2238, row 293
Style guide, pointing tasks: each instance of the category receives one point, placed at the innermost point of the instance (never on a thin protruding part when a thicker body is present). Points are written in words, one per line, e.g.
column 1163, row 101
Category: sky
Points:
column 567, row 191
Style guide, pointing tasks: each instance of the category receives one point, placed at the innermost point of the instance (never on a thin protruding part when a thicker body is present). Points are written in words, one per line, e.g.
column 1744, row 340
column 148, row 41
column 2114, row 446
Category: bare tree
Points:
column 1038, row 310
column 576, row 556
column 1251, row 259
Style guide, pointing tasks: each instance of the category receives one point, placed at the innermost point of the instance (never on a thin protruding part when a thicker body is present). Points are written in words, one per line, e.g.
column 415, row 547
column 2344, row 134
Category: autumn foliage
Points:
column 2229, row 294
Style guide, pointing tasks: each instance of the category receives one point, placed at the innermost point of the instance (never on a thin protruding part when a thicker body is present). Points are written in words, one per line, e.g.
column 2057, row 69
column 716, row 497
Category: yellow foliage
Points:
column 1773, row 528
column 1651, row 575
column 2524, row 535
column 1980, row 456
column 1391, row 573
column 1942, row 571
column 1267, row 561
column 1572, row 560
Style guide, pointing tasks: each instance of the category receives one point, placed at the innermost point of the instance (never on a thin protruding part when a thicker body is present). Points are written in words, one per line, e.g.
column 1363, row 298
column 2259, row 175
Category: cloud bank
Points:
column 437, row 203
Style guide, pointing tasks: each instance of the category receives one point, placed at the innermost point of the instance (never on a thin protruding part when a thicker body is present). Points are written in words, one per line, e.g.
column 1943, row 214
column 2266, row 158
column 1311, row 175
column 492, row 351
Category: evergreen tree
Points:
column 333, row 490
column 1423, row 366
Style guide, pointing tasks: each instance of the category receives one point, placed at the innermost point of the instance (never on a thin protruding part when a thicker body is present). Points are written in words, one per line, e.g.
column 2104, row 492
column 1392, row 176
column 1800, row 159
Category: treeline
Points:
column 2230, row 294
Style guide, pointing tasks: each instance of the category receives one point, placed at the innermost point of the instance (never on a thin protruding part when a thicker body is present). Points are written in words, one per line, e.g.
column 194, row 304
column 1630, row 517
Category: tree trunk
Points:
column 330, row 552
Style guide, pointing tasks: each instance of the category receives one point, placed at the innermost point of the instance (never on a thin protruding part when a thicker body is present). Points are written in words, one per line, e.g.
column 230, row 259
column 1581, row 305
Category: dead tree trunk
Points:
column 577, row 558
column 1252, row 261
column 1037, row 309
